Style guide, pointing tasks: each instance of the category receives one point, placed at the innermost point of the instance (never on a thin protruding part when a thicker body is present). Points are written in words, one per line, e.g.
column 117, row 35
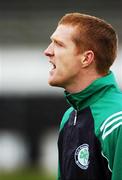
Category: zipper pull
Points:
column 75, row 118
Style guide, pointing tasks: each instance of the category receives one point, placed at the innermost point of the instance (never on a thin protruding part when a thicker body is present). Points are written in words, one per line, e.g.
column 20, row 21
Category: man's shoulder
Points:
column 107, row 109
column 110, row 101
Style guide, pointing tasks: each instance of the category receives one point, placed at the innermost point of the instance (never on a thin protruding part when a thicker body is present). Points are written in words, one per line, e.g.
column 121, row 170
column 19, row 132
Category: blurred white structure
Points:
column 24, row 71
column 49, row 156
column 13, row 151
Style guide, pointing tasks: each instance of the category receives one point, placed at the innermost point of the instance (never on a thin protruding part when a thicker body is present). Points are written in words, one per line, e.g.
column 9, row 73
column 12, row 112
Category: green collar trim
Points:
column 91, row 93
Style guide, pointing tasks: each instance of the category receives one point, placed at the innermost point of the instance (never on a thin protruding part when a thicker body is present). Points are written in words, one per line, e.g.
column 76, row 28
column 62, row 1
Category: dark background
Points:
column 28, row 21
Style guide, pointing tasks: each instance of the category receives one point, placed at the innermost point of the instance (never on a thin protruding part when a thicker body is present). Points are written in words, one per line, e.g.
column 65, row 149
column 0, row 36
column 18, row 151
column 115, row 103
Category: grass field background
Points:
column 27, row 175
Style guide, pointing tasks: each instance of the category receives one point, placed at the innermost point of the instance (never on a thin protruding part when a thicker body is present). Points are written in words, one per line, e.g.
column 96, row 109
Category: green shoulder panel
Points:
column 104, row 108
column 112, row 149
column 65, row 117
column 107, row 115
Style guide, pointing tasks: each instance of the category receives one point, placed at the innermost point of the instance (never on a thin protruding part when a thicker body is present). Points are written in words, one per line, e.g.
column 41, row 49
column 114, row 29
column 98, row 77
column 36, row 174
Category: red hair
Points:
column 94, row 34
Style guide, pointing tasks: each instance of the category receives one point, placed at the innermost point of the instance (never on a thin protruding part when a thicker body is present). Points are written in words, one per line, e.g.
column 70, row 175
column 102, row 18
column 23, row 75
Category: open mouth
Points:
column 52, row 67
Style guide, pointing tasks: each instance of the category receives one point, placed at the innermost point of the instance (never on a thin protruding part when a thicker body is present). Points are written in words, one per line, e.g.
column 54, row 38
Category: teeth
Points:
column 52, row 65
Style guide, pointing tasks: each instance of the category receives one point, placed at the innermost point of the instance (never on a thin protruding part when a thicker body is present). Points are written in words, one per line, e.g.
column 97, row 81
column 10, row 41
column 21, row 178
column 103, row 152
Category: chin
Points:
column 55, row 83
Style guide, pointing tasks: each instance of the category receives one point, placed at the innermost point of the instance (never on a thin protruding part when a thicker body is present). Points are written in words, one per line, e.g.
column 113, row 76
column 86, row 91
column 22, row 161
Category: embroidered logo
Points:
column 82, row 156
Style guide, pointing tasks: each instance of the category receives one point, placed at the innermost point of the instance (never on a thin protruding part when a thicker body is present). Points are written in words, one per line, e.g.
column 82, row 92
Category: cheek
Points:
column 67, row 61
column 68, row 69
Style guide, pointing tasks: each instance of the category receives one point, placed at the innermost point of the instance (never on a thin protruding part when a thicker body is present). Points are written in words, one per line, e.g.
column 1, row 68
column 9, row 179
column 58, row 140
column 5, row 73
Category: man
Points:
column 81, row 52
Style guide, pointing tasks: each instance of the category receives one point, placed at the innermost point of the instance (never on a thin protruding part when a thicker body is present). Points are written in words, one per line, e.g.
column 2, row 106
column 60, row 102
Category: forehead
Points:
column 64, row 33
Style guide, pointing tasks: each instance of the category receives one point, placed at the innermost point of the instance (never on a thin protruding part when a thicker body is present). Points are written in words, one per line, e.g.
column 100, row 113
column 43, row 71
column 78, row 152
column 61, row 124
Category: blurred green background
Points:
column 27, row 175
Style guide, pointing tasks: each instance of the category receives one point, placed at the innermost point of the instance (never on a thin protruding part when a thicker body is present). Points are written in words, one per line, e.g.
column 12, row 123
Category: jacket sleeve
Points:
column 112, row 149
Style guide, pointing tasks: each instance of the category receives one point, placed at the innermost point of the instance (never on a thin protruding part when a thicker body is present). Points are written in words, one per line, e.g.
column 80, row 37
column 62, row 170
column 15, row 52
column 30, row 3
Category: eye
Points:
column 58, row 43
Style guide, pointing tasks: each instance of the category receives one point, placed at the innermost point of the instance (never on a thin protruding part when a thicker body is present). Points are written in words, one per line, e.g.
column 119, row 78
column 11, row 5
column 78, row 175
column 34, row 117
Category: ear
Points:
column 87, row 58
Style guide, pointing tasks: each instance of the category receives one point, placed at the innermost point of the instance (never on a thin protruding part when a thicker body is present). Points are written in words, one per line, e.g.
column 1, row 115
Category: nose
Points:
column 49, row 51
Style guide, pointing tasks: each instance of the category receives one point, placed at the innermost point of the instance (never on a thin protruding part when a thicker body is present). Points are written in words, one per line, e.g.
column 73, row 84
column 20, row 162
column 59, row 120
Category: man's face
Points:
column 64, row 57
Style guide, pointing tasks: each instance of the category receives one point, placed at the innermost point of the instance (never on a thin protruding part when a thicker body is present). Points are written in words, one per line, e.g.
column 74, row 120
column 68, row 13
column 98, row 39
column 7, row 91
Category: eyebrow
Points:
column 57, row 41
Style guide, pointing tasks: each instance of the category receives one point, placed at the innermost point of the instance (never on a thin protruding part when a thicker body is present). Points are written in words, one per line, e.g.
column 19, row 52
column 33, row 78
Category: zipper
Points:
column 75, row 118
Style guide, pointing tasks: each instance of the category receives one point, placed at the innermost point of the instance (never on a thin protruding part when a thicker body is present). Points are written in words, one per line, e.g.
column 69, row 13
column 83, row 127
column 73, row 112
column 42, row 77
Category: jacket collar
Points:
column 92, row 92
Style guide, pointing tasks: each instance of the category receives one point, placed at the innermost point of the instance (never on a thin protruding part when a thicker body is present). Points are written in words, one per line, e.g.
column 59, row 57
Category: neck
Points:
column 84, row 81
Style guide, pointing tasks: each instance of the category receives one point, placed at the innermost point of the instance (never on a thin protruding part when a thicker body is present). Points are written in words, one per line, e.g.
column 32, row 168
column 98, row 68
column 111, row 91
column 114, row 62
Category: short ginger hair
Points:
column 94, row 34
